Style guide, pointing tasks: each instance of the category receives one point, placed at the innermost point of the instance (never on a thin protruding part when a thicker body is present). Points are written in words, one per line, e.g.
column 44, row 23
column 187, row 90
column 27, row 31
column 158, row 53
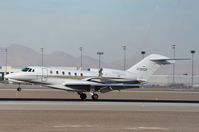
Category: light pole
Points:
column 42, row 57
column 192, row 69
column 42, row 63
column 174, row 47
column 1, row 51
column 143, row 54
column 100, row 53
column 81, row 49
column 6, row 51
column 124, row 49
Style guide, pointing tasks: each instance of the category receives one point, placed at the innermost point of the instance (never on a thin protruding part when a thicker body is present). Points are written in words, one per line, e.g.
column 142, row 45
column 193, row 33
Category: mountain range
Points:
column 20, row 56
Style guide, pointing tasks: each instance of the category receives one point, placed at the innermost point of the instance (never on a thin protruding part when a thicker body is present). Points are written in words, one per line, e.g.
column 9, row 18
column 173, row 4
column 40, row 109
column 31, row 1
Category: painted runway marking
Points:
column 73, row 126
column 146, row 128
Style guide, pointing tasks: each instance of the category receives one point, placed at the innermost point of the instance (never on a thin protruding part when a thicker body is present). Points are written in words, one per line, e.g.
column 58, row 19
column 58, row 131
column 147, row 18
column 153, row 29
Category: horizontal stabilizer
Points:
column 167, row 61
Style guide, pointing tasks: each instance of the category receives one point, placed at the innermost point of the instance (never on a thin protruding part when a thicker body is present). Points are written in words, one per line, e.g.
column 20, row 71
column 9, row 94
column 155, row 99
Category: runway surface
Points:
column 100, row 116
column 98, row 106
column 46, row 110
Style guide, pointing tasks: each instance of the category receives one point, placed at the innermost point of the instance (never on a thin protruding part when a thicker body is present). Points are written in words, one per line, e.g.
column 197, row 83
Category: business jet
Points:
column 91, row 81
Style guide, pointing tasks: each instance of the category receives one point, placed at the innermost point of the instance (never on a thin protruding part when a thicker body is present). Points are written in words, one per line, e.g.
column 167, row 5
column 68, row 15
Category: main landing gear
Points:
column 95, row 96
column 83, row 96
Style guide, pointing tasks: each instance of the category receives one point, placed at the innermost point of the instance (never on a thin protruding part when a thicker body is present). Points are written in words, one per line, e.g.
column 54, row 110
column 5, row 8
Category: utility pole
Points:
column 81, row 49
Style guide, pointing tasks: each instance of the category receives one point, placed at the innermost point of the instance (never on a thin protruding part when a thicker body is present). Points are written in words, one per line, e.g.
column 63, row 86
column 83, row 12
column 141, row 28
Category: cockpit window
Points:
column 25, row 69
column 28, row 70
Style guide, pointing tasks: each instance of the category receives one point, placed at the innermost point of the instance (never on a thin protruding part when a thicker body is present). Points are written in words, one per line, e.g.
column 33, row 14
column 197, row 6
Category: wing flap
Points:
column 61, row 87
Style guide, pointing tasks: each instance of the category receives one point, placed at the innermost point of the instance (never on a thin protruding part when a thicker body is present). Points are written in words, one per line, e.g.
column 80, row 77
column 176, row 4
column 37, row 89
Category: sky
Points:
column 102, row 25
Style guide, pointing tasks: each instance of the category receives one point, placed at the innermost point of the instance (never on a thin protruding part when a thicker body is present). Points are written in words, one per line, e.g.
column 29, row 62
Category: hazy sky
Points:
column 101, row 25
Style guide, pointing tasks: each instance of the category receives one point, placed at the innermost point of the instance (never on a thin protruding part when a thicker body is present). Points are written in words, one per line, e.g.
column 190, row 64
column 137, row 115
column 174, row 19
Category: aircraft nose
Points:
column 8, row 76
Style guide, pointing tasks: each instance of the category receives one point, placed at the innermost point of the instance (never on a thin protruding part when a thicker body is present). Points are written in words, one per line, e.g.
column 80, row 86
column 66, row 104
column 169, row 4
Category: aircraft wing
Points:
column 87, row 86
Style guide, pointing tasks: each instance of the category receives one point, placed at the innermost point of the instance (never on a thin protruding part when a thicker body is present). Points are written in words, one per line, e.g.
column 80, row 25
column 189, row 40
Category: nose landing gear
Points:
column 19, row 89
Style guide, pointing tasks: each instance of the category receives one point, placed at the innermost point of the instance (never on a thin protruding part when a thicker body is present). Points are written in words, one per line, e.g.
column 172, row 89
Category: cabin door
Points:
column 44, row 74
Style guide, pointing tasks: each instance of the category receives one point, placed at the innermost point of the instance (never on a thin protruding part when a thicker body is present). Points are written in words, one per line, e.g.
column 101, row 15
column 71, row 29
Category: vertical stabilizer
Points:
column 146, row 67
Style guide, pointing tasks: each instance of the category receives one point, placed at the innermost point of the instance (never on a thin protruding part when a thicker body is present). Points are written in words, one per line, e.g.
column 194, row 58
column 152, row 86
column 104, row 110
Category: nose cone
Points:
column 11, row 76
column 7, row 76
column 14, row 78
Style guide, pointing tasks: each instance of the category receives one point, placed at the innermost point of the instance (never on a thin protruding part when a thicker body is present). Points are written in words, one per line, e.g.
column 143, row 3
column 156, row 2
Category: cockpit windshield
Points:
column 27, row 69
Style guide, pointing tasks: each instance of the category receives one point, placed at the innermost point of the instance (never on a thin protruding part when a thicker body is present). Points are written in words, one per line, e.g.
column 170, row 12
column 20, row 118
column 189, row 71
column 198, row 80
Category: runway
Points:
column 100, row 116
column 34, row 98
column 97, row 105
column 46, row 110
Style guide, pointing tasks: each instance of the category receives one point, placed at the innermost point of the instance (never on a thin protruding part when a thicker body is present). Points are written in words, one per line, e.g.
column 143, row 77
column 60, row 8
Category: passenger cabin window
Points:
column 81, row 74
column 69, row 73
column 51, row 72
column 63, row 73
column 75, row 74
column 57, row 72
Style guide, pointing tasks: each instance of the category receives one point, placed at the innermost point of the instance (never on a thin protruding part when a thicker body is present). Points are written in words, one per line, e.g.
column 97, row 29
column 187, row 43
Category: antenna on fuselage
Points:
column 100, row 72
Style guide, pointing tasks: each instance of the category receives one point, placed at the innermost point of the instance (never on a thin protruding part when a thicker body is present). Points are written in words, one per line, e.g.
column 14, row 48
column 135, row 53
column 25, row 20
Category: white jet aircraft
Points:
column 92, row 80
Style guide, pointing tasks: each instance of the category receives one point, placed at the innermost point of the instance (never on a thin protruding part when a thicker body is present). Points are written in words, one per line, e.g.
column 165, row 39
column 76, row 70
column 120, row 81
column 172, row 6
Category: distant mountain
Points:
column 20, row 56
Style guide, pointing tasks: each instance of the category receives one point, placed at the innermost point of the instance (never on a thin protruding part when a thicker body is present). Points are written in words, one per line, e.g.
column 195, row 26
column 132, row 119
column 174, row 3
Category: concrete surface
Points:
column 78, row 116
column 28, row 91
column 97, row 121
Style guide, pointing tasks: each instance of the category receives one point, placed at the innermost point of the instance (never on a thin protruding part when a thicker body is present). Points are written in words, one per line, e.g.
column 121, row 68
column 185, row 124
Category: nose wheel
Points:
column 19, row 88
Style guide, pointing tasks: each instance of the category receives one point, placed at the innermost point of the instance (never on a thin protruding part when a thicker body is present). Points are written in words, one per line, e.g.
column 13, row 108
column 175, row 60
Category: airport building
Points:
column 167, row 80
column 6, row 70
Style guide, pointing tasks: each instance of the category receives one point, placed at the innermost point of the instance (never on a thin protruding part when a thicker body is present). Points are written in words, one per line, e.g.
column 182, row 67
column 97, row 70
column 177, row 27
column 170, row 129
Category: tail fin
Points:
column 146, row 67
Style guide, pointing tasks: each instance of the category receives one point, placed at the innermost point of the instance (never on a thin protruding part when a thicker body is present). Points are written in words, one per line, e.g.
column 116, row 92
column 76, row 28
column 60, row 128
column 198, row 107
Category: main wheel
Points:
column 19, row 89
column 83, row 96
column 95, row 96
